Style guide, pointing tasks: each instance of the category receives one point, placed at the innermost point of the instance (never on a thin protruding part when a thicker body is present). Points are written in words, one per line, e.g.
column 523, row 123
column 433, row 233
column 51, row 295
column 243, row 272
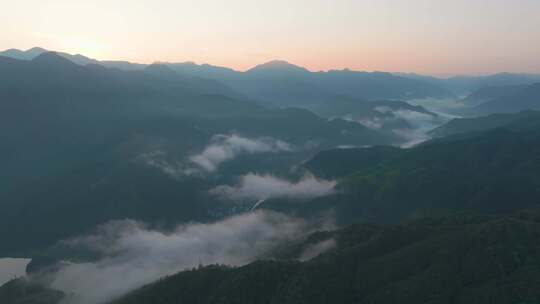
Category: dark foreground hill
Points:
column 23, row 291
column 456, row 259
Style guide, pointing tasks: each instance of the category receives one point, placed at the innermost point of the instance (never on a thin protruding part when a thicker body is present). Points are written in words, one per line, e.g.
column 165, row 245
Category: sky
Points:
column 438, row 37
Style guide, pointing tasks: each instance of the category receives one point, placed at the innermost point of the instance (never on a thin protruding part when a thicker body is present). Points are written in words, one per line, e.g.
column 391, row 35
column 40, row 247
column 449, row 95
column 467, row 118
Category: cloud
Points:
column 421, row 124
column 227, row 147
column 262, row 187
column 158, row 159
column 374, row 123
column 439, row 105
column 222, row 148
column 134, row 255
column 412, row 137
column 317, row 249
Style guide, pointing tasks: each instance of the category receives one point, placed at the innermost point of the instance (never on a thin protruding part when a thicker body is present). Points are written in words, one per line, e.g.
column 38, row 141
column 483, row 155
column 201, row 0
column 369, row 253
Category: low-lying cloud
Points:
column 221, row 148
column 263, row 187
column 227, row 147
column 449, row 106
column 419, row 124
column 158, row 159
column 317, row 249
column 134, row 255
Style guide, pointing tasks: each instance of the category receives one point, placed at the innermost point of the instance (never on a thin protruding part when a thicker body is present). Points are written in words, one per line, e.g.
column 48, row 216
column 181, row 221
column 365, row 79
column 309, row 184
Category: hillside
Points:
column 527, row 98
column 483, row 123
column 82, row 145
column 279, row 83
column 466, row 85
column 455, row 259
column 390, row 115
column 489, row 93
column 481, row 171
column 289, row 85
column 23, row 291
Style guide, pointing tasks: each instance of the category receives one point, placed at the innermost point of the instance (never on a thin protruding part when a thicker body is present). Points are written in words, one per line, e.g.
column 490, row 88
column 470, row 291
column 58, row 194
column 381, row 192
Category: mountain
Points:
column 469, row 84
column 451, row 259
column 279, row 83
column 25, row 78
column 162, row 146
column 523, row 98
column 479, row 171
column 161, row 70
column 23, row 291
column 77, row 58
column 338, row 163
column 123, row 65
column 486, row 94
column 378, row 114
column 466, row 85
column 82, row 145
column 483, row 123
column 278, row 67
column 23, row 55
column 203, row 70
column 284, row 84
column 36, row 51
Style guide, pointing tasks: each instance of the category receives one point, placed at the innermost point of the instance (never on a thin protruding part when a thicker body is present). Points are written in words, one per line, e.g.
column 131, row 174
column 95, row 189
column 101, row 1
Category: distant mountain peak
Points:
column 161, row 70
column 36, row 50
column 278, row 65
column 11, row 50
column 23, row 55
column 52, row 58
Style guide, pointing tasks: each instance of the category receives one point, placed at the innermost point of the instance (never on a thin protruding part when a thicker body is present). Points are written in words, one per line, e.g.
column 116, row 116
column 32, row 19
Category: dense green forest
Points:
column 455, row 258
column 23, row 291
column 459, row 258
column 298, row 186
column 479, row 171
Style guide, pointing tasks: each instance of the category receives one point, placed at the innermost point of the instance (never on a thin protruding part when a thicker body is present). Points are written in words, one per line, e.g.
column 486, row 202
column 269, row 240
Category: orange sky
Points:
column 424, row 36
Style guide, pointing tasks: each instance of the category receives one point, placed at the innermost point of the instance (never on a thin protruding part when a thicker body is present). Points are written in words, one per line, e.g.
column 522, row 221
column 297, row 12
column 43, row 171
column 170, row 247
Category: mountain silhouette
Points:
column 278, row 65
column 23, row 55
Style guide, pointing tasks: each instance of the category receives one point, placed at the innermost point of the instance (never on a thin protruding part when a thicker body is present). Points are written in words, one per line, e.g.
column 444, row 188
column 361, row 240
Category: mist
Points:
column 226, row 147
column 134, row 255
column 317, row 249
column 221, row 148
column 420, row 124
column 262, row 187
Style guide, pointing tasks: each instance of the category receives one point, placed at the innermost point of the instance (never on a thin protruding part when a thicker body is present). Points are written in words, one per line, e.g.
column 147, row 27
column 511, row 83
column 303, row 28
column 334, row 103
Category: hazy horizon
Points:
column 439, row 38
column 442, row 76
column 269, row 151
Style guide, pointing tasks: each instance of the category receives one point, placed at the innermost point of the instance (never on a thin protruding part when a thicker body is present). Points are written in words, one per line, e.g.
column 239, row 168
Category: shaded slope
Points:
column 460, row 259
column 493, row 121
column 22, row 291
column 495, row 171
column 527, row 98
column 74, row 140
